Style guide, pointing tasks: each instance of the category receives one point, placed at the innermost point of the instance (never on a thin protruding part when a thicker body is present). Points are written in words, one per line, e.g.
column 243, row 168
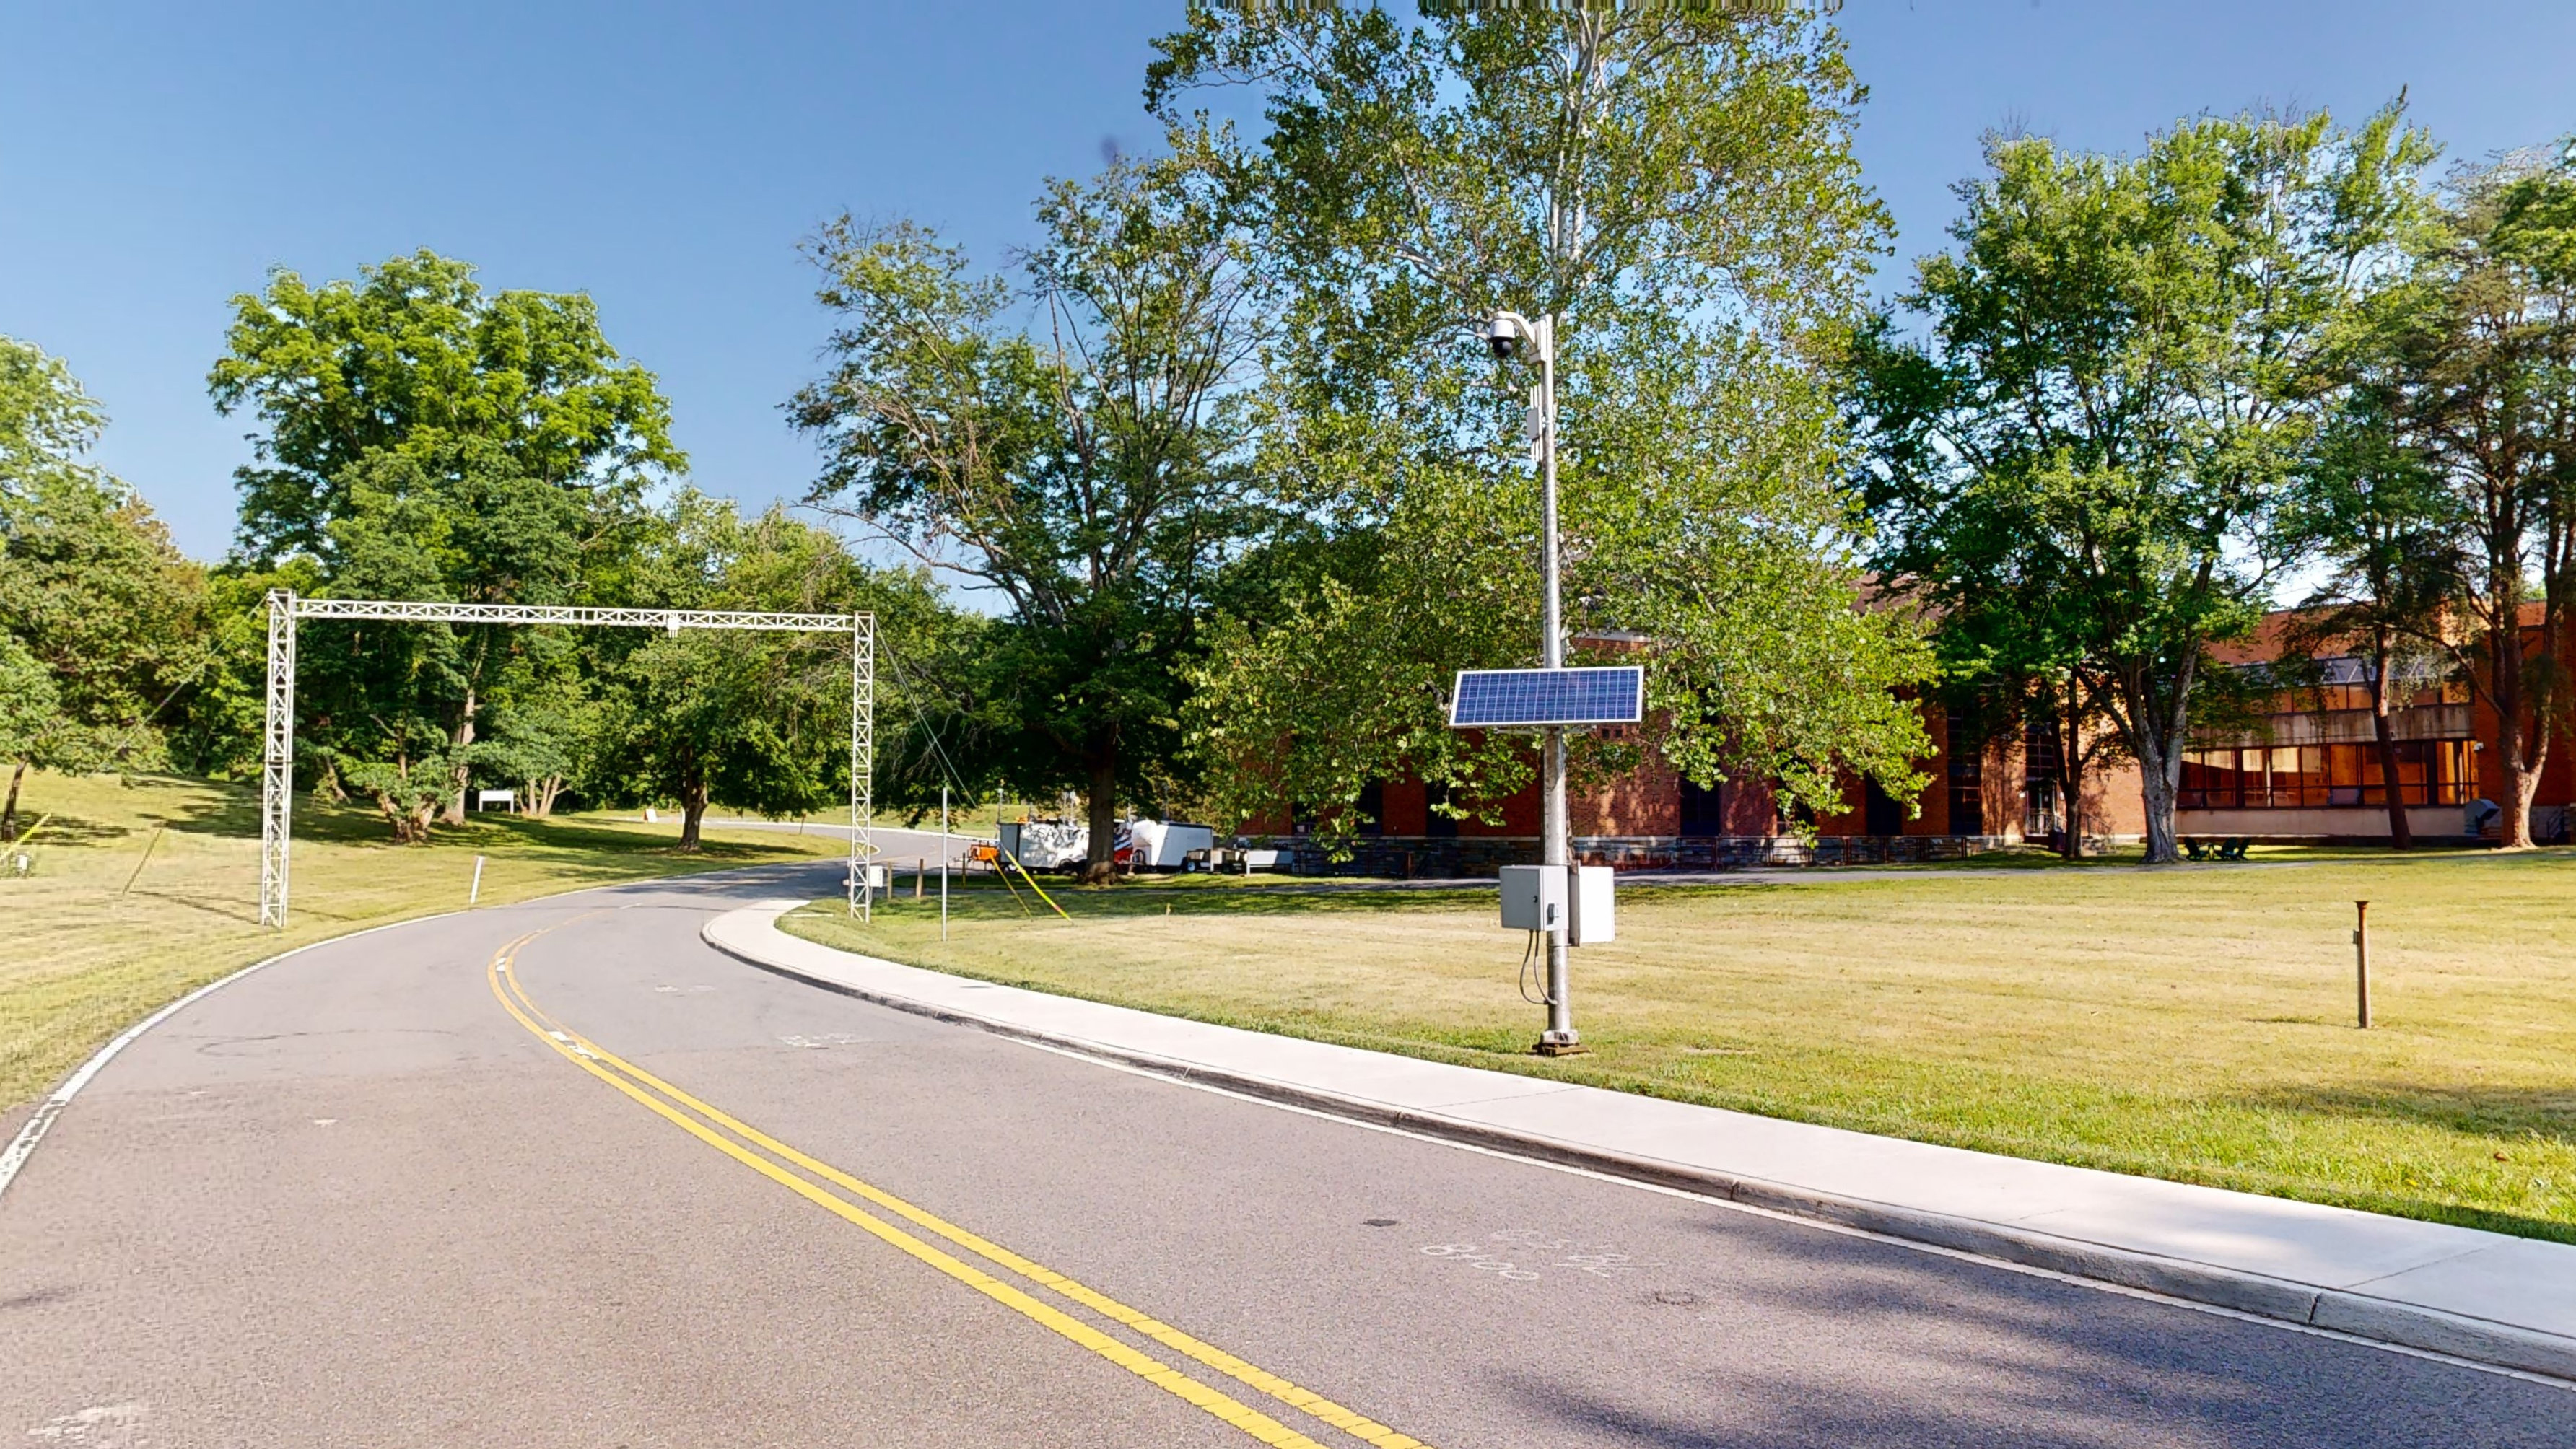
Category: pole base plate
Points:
column 1553, row 1045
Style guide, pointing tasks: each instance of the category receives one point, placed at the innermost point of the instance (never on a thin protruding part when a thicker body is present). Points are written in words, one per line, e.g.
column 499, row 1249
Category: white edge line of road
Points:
column 41, row 1121
column 2493, row 1347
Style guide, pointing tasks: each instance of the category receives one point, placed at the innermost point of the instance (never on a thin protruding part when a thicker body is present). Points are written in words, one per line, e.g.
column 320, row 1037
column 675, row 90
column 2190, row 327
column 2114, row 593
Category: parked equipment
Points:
column 1165, row 844
column 1045, row 844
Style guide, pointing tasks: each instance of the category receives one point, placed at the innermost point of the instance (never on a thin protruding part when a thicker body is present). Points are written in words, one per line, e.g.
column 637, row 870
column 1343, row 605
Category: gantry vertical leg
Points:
column 277, row 761
column 863, row 764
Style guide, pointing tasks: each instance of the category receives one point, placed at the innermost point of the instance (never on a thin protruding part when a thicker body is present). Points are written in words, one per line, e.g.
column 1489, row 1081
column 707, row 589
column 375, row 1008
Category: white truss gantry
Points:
column 277, row 763
column 673, row 620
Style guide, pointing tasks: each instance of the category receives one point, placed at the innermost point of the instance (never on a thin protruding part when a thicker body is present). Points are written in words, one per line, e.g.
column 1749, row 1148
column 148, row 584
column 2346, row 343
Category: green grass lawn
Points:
column 82, row 957
column 2194, row 1023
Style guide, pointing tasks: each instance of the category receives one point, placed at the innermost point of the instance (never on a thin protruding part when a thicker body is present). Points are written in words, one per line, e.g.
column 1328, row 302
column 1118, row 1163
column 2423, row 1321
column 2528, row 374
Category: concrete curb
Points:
column 2385, row 1320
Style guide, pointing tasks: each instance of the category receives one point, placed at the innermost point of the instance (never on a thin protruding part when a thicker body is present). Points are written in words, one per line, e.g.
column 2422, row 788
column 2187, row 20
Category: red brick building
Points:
column 2305, row 771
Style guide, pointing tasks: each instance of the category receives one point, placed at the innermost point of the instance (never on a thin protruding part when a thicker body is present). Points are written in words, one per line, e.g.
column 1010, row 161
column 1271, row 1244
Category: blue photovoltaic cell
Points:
column 1503, row 698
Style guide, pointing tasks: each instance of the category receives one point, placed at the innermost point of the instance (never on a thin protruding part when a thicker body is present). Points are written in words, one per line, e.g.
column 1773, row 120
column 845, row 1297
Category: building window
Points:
column 1371, row 810
column 1881, row 814
column 1703, row 810
column 2040, row 767
column 1434, row 824
column 2290, row 777
column 1967, row 748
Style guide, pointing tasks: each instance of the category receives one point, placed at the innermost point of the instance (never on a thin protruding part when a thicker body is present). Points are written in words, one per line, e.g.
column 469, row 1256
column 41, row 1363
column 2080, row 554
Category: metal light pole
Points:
column 1507, row 333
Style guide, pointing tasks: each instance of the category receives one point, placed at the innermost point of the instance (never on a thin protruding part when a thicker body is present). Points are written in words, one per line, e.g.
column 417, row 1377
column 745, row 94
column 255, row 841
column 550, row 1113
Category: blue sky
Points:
column 156, row 159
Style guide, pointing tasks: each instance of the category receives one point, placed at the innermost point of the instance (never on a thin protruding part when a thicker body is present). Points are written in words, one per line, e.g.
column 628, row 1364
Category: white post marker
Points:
column 476, row 893
column 943, row 862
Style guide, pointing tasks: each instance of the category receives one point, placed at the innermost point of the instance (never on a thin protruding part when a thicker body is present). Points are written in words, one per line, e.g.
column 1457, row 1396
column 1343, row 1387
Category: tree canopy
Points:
column 414, row 356
column 1678, row 190
column 1088, row 470
column 2127, row 362
column 759, row 720
column 2480, row 392
column 100, row 616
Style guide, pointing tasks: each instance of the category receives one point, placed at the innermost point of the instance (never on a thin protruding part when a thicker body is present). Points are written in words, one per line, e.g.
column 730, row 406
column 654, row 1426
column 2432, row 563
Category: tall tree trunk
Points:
column 2155, row 725
column 2401, row 836
column 2070, row 787
column 464, row 771
column 9, row 812
column 1100, row 861
column 2521, row 774
column 2156, row 793
column 693, row 810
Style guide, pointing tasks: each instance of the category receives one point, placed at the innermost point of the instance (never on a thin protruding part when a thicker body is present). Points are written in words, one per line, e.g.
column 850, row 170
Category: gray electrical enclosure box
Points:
column 1534, row 897
column 1592, row 907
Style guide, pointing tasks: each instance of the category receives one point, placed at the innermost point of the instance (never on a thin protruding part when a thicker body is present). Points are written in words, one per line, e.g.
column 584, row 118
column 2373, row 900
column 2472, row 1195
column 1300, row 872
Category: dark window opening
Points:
column 1703, row 809
column 1880, row 812
column 1435, row 824
column 2041, row 766
column 1370, row 809
column 1967, row 776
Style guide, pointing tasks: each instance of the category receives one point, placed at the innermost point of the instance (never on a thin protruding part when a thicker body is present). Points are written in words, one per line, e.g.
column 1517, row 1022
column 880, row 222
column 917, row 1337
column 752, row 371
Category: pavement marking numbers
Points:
column 676, row 1106
column 1526, row 1249
column 102, row 1426
column 1581, row 1257
column 1475, row 1256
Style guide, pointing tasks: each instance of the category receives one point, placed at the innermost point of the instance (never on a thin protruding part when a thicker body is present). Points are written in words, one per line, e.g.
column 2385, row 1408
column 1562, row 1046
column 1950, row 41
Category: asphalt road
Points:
column 605, row 1187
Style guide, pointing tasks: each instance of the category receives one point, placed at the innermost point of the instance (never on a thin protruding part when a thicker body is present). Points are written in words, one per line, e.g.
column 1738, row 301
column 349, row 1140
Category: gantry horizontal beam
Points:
column 424, row 612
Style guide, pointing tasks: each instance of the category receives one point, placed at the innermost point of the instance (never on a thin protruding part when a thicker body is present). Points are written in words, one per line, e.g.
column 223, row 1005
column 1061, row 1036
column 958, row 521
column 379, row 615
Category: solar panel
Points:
column 1519, row 698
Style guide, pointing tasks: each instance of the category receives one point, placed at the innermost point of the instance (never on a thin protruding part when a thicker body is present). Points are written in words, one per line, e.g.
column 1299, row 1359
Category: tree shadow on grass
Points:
column 2542, row 1113
column 232, row 810
column 60, row 829
column 1138, row 899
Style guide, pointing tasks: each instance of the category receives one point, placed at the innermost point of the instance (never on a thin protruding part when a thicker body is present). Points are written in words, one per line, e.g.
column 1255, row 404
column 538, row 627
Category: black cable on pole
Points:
column 947, row 766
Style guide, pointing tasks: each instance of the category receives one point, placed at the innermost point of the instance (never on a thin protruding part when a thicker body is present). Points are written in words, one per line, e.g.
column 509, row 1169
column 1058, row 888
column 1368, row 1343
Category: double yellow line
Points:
column 774, row 1159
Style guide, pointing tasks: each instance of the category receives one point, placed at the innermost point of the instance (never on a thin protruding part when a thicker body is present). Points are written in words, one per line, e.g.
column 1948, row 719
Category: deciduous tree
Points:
column 2124, row 371
column 2485, row 334
column 1678, row 190
column 415, row 355
column 757, row 720
column 101, row 619
column 1088, row 470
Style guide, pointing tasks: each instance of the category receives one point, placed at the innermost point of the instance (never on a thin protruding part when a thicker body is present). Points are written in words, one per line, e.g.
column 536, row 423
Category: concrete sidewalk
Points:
column 2478, row 1295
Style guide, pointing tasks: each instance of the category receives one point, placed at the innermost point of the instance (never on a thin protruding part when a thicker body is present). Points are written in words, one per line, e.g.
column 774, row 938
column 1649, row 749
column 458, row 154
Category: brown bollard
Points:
column 2361, row 960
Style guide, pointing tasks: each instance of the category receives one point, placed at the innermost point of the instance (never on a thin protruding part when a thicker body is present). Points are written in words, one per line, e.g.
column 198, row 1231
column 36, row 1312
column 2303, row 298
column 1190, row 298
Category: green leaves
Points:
column 2128, row 363
column 1091, row 470
column 755, row 719
column 415, row 356
column 1679, row 190
column 98, row 612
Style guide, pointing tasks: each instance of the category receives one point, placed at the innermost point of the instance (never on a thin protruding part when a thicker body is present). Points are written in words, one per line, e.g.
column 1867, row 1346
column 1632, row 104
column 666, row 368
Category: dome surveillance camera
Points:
column 1505, row 344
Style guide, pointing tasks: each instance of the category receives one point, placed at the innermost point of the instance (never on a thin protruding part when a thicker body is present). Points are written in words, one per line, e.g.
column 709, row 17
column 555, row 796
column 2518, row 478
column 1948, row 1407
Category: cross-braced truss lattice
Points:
column 277, row 764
